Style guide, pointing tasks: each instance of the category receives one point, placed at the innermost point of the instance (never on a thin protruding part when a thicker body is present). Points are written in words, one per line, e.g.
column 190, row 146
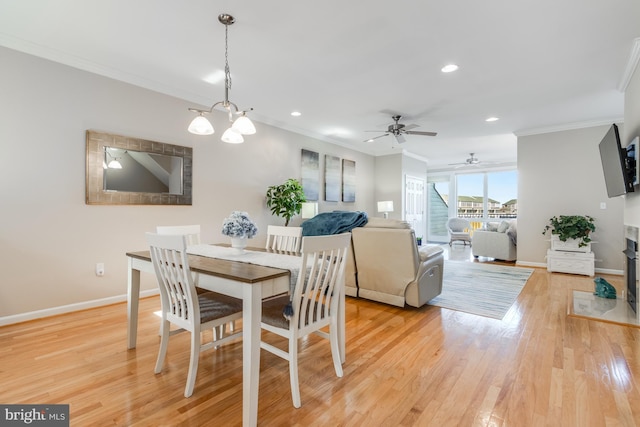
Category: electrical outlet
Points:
column 100, row 269
column 603, row 205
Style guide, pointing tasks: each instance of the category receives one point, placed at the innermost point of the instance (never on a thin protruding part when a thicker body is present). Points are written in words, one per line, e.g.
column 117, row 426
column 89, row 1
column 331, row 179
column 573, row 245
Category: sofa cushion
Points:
column 504, row 225
column 492, row 226
column 375, row 222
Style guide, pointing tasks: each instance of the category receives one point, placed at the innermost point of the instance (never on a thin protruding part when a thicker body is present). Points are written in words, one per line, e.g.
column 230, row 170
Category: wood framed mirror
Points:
column 121, row 170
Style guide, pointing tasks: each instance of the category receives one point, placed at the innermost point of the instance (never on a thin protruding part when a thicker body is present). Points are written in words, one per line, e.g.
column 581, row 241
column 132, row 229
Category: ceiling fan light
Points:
column 232, row 136
column 200, row 126
column 244, row 126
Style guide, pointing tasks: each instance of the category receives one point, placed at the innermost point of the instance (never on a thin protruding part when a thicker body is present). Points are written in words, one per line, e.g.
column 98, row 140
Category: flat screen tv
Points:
column 617, row 175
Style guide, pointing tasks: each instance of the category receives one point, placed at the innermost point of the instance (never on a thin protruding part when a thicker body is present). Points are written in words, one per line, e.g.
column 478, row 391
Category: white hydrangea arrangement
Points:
column 238, row 224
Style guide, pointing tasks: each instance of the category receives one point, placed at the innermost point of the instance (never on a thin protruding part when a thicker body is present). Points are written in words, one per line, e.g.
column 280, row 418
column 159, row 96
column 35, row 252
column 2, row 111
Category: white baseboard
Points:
column 544, row 265
column 610, row 271
column 32, row 315
column 531, row 264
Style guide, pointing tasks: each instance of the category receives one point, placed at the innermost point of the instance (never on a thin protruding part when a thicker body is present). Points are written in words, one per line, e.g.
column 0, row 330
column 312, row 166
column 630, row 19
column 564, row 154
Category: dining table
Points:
column 242, row 274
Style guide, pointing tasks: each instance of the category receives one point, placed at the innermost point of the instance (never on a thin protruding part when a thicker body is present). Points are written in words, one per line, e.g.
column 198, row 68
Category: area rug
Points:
column 483, row 289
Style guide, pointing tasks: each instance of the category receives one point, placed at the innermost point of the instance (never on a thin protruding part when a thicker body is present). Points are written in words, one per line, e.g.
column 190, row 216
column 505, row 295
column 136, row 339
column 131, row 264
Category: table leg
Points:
column 251, row 317
column 133, row 298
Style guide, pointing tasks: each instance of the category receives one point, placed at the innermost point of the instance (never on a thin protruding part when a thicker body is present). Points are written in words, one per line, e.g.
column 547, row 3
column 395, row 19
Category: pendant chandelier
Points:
column 242, row 125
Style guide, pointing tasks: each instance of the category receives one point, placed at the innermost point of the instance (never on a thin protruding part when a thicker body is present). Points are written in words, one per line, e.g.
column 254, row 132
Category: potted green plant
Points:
column 285, row 200
column 570, row 230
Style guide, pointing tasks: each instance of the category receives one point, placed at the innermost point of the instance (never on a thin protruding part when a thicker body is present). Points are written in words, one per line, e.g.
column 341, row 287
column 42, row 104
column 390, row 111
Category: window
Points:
column 488, row 195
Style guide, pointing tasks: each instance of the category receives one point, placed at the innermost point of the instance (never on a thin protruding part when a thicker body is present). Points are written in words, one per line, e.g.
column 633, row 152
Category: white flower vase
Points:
column 239, row 243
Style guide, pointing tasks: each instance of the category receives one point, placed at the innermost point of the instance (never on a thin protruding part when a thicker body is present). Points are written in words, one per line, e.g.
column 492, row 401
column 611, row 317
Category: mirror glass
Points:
column 137, row 171
column 124, row 170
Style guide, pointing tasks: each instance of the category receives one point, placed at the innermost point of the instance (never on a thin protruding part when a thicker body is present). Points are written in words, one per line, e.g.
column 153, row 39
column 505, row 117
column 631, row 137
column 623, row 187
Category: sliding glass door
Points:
column 479, row 197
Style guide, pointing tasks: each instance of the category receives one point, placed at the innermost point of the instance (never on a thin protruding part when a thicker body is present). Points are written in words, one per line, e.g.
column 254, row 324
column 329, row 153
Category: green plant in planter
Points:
column 285, row 200
column 577, row 227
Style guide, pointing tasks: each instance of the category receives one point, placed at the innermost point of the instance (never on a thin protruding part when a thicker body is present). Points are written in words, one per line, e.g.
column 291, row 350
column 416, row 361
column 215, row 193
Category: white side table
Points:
column 571, row 262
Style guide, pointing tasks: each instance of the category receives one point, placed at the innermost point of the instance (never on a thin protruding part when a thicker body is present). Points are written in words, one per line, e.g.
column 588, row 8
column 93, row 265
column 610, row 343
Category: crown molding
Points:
column 632, row 65
column 568, row 126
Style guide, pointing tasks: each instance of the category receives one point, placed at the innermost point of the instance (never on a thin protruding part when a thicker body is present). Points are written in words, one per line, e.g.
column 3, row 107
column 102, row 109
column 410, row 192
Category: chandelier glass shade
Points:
column 242, row 125
column 232, row 136
column 201, row 126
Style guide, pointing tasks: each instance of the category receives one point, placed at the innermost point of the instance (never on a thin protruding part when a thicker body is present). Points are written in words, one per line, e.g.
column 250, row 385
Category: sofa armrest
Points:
column 429, row 251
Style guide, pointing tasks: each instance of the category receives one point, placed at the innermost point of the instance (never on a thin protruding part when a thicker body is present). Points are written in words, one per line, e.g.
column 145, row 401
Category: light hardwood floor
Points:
column 405, row 367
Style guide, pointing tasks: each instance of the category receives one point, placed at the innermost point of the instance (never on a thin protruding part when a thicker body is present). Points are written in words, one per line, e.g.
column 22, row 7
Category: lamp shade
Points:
column 232, row 136
column 385, row 206
column 244, row 125
column 309, row 210
column 200, row 126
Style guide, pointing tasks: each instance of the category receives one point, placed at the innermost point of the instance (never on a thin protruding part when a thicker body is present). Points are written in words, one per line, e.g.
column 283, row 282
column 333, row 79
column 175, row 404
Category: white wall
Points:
column 560, row 173
column 50, row 240
column 631, row 130
column 390, row 171
column 388, row 182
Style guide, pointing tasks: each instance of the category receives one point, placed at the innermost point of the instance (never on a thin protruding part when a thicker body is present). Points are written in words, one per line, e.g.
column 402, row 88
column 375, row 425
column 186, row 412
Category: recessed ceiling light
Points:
column 296, row 113
column 492, row 119
column 449, row 68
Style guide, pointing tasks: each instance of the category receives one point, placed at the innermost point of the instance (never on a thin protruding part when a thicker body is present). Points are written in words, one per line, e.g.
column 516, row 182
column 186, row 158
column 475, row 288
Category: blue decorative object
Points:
column 287, row 311
column 335, row 222
column 604, row 289
column 238, row 224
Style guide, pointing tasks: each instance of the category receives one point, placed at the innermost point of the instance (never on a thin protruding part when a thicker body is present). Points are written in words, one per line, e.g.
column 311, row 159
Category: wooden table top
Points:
column 233, row 270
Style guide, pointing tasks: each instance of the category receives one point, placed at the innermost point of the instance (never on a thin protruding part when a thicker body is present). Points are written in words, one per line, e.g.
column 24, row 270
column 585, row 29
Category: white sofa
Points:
column 499, row 243
column 387, row 265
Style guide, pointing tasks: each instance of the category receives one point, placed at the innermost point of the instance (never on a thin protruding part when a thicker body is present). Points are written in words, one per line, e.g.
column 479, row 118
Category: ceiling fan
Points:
column 398, row 130
column 471, row 161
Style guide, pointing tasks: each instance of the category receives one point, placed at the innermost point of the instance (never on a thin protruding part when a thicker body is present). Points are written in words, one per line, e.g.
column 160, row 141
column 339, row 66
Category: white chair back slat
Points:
column 320, row 283
column 286, row 239
column 177, row 289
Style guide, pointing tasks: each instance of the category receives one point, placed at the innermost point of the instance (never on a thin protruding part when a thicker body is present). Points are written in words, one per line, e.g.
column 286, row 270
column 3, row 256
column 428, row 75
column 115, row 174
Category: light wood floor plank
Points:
column 406, row 367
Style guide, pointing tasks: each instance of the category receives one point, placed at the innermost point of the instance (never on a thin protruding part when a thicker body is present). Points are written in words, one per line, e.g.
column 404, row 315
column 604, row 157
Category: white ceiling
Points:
column 348, row 66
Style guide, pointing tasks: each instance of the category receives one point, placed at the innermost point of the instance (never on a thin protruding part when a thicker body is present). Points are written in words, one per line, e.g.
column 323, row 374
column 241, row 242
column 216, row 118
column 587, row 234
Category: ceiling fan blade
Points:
column 412, row 126
column 375, row 137
column 400, row 138
column 416, row 132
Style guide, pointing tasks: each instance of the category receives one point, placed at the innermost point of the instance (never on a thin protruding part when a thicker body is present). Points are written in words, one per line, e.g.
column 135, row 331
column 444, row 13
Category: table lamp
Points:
column 386, row 207
column 309, row 210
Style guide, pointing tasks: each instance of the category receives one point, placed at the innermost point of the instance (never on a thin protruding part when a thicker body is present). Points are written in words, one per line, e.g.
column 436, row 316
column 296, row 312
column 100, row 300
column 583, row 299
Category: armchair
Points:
column 390, row 268
column 459, row 230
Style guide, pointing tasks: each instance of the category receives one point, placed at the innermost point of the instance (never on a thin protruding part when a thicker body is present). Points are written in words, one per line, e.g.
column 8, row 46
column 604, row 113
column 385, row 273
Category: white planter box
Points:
column 571, row 245
column 571, row 262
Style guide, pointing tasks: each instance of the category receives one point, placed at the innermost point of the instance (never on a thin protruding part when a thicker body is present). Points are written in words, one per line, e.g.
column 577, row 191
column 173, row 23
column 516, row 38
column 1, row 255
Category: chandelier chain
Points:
column 227, row 73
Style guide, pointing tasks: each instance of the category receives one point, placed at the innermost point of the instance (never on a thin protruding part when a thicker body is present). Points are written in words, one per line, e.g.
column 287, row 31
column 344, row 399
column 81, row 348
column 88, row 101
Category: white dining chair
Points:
column 192, row 237
column 314, row 301
column 280, row 238
column 191, row 232
column 183, row 306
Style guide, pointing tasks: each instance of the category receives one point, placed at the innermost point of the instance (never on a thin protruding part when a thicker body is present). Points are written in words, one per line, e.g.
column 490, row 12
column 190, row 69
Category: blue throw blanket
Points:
column 333, row 223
